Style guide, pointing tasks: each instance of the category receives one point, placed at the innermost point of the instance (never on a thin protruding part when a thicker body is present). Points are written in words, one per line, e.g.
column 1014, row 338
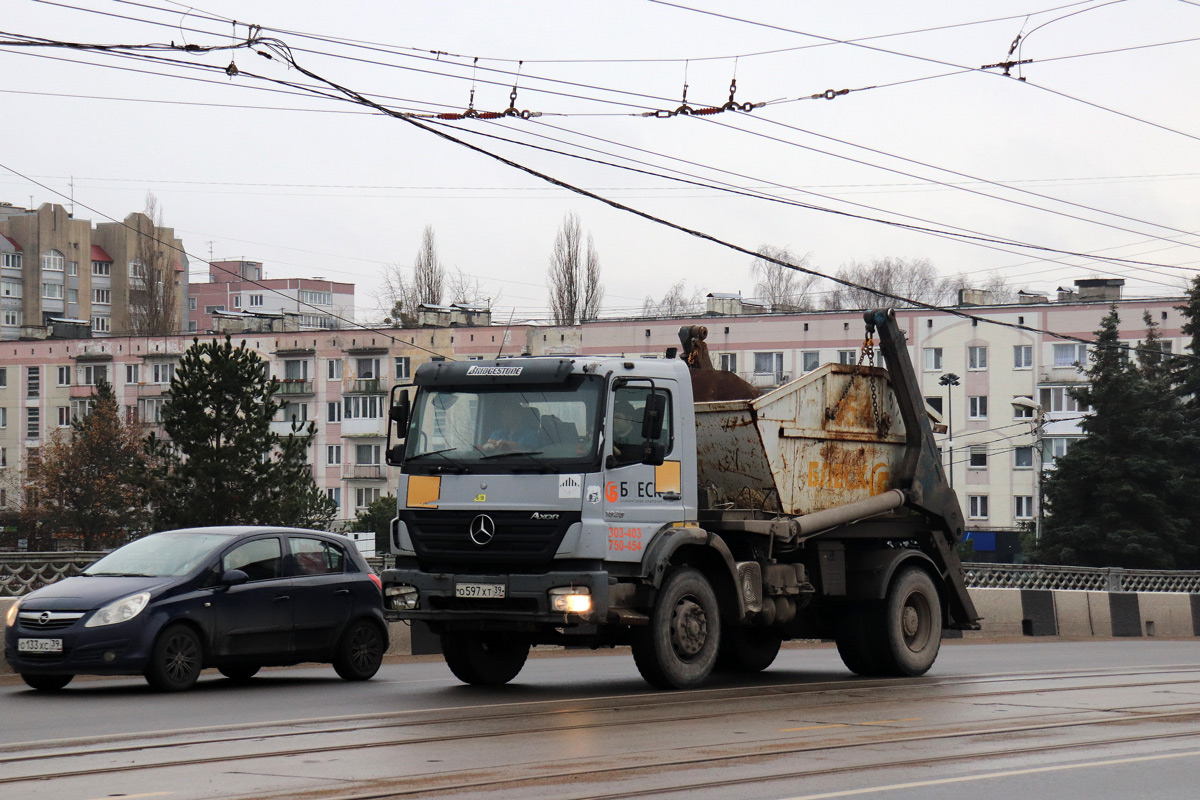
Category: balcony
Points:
column 363, row 472
column 80, row 391
column 370, row 426
column 294, row 387
column 364, row 386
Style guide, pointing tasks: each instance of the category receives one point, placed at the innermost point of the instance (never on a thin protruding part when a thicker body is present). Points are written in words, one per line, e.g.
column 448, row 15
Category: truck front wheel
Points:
column 678, row 649
column 484, row 659
column 912, row 624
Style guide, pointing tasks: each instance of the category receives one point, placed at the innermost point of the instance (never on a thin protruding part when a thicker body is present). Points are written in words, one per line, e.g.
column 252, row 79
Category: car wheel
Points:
column 239, row 673
column 360, row 652
column 176, row 660
column 46, row 683
column 484, row 659
column 678, row 649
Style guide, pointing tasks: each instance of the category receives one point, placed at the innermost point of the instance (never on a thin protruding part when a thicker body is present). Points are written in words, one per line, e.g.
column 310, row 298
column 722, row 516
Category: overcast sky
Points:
column 1107, row 119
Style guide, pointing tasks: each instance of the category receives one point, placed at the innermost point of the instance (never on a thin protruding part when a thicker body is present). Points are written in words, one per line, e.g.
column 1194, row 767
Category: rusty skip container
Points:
column 832, row 437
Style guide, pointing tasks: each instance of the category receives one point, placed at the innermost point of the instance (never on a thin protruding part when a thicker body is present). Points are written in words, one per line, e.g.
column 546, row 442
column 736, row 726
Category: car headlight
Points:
column 119, row 610
column 11, row 618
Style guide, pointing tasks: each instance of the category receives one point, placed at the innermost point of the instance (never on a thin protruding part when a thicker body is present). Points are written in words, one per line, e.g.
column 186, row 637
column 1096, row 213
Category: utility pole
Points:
column 949, row 380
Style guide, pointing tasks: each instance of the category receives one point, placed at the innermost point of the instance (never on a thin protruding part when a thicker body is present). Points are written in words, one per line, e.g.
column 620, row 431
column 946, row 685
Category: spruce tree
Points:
column 1185, row 370
column 223, row 464
column 1112, row 499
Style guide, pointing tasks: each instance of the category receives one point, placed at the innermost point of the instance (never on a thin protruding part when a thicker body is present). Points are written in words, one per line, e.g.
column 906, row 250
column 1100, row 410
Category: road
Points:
column 1059, row 719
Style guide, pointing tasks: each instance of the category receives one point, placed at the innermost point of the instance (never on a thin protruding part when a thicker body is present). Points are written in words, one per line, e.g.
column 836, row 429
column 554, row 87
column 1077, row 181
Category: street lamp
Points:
column 948, row 380
column 1039, row 418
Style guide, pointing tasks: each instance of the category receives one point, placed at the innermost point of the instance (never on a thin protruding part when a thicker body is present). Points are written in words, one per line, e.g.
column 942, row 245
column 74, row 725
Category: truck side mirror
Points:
column 652, row 416
column 398, row 412
column 654, row 453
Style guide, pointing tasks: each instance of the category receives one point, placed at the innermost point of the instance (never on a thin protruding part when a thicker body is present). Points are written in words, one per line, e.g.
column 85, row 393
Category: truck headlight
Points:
column 571, row 599
column 402, row 597
column 121, row 610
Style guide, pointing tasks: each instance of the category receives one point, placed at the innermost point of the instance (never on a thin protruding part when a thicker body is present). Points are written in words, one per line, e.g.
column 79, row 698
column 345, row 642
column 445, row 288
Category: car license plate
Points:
column 474, row 590
column 39, row 645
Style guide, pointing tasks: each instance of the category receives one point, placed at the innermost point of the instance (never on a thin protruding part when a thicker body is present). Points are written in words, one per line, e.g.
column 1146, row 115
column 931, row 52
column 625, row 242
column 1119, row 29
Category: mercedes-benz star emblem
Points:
column 482, row 530
column 44, row 617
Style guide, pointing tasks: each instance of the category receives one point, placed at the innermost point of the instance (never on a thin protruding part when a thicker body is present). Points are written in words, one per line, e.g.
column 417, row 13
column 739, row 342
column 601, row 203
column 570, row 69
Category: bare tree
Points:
column 781, row 288
column 465, row 289
column 994, row 284
column 575, row 290
column 675, row 302
column 398, row 297
column 429, row 276
column 153, row 293
column 915, row 279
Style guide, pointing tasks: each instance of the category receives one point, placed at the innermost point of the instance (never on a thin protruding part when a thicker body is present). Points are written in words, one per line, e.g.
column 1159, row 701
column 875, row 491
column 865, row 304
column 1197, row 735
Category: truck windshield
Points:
column 503, row 427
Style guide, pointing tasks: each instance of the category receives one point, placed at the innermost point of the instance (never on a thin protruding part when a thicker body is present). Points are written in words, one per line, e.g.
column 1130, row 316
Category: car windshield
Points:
column 159, row 555
column 502, row 427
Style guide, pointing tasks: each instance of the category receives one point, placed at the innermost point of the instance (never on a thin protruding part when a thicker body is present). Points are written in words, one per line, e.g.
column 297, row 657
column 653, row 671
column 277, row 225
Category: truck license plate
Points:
column 476, row 590
column 39, row 645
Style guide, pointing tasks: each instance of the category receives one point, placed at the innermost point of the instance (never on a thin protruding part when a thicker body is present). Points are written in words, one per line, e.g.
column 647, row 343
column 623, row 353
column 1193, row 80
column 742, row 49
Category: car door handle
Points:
column 673, row 496
column 280, row 597
column 342, row 591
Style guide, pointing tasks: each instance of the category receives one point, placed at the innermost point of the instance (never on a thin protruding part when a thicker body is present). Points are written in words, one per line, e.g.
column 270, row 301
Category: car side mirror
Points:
column 233, row 577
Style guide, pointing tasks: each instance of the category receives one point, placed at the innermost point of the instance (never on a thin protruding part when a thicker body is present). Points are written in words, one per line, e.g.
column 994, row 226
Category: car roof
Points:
column 243, row 530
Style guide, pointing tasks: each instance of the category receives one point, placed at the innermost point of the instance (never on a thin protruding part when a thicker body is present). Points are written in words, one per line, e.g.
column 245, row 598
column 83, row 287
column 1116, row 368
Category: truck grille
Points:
column 442, row 539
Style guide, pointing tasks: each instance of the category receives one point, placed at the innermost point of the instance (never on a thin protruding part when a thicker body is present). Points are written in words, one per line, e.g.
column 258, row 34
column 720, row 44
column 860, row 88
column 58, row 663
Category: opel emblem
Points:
column 44, row 618
column 482, row 530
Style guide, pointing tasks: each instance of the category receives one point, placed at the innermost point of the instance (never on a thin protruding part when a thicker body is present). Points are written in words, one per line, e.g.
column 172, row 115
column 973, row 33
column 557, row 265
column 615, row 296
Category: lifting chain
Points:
column 866, row 357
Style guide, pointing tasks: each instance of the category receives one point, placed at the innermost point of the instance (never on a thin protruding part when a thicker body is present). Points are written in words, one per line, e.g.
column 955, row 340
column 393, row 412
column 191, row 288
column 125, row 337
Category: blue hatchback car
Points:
column 236, row 598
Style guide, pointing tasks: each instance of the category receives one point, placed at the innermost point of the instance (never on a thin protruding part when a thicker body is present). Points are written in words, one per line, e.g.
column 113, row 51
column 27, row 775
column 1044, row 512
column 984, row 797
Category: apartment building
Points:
column 240, row 286
column 55, row 267
column 970, row 371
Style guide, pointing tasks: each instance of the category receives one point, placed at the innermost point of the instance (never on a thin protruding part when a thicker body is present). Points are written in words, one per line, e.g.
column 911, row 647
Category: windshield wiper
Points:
column 512, row 453
column 120, row 574
column 433, row 453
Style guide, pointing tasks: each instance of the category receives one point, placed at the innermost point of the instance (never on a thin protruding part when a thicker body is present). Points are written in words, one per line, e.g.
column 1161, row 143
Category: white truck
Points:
column 664, row 505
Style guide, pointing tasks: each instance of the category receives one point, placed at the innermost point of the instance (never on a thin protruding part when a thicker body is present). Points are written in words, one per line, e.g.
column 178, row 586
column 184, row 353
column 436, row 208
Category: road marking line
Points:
column 133, row 796
column 850, row 724
column 990, row 775
column 813, row 728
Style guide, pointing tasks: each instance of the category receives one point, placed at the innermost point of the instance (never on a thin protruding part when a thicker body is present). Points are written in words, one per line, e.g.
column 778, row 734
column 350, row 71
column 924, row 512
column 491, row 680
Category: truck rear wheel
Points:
column 748, row 650
column 484, row 659
column 911, row 633
column 678, row 649
column 855, row 642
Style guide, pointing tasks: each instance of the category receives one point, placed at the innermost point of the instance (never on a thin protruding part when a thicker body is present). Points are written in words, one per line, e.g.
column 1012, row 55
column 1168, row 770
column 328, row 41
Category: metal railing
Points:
column 21, row 573
column 1096, row 579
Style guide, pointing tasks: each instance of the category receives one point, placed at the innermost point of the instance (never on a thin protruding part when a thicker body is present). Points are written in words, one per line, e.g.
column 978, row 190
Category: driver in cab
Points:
column 518, row 431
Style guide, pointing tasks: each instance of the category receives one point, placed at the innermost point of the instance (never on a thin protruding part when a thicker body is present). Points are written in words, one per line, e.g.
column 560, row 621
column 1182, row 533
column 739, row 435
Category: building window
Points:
column 978, row 458
column 1023, row 458
column 237, row 301
column 191, row 304
column 12, row 260
column 296, row 412
column 72, row 295
column 52, row 291
column 1022, row 356
column 316, row 298
column 92, row 373
column 1070, row 355
column 132, row 373
column 363, row 406
column 33, row 422
column 1058, row 398
column 977, row 505
column 102, row 296
column 80, row 408
column 53, row 261
column 150, row 409
column 334, row 369
column 977, row 407
column 64, row 416
column 403, row 368
column 335, row 494
column 33, row 381
column 11, row 317
column 1024, row 506
column 933, row 359
column 977, row 358
column 335, row 412
column 728, row 362
column 72, row 267
column 295, row 370
column 366, row 454
column 333, row 454
column 3, row 377
column 364, row 497
column 102, row 268
column 256, row 300
column 101, row 324
column 846, row 356
column 3, row 456
column 64, row 376
column 163, row 373
column 768, row 364
column 368, row 368
column 1022, row 412
column 192, row 326
column 810, row 360
column 1054, row 448
column 213, row 309
column 10, row 288
column 3, row 417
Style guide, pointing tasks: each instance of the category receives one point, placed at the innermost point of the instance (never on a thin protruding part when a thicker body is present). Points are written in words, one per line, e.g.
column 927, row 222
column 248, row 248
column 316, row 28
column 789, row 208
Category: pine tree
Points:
column 223, row 464
column 87, row 483
column 1185, row 371
column 1112, row 499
